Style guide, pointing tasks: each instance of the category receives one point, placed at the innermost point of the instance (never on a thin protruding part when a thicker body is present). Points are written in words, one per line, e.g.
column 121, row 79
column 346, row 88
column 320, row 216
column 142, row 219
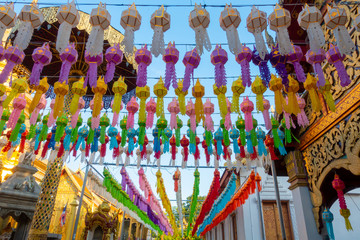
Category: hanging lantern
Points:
column 39, row 91
column 328, row 217
column 60, row 89
column 41, row 57
column 295, row 57
column 181, row 96
column 30, row 18
column 256, row 23
column 243, row 58
column 279, row 21
column 309, row 19
column 174, row 109
column 237, row 88
column 302, row 119
column 218, row 59
column 19, row 105
column 190, row 111
column 278, row 61
column 334, row 56
column 160, row 91
column 13, row 56
column 113, row 56
column 99, row 20
column 293, row 88
column 35, row 113
column 143, row 58
column 99, row 92
column 160, row 23
column 229, row 21
column 247, row 107
column 185, row 151
column 198, row 92
column 316, row 58
column 119, row 89
column 310, row 86
column 132, row 106
column 170, row 57
column 142, row 93
column 93, row 61
column 130, row 21
column 7, row 18
column 276, row 86
column 208, row 110
column 335, row 19
column 220, row 93
column 199, row 20
column 263, row 67
column 227, row 122
column 18, row 86
column 68, row 17
column 68, row 57
column 191, row 61
column 258, row 88
column 78, row 91
column 325, row 91
column 266, row 114
column 151, row 110
column 75, row 117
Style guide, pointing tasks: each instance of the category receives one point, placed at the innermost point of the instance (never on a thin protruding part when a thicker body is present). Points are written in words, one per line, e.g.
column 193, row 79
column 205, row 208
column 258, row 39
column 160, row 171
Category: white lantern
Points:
column 199, row 20
column 160, row 22
column 130, row 21
column 279, row 21
column 309, row 19
column 68, row 17
column 100, row 21
column 31, row 17
column 335, row 19
column 7, row 18
column 256, row 23
column 229, row 21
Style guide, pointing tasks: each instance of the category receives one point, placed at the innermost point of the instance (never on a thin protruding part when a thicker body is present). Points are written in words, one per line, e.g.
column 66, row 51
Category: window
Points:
column 234, row 226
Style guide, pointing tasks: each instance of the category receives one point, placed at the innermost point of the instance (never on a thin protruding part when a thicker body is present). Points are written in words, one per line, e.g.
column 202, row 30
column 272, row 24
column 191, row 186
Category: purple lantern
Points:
column 68, row 57
column 219, row 58
column 171, row 57
column 113, row 56
column 278, row 61
column 143, row 58
column 13, row 56
column 243, row 58
column 191, row 61
column 94, row 61
column 263, row 67
column 334, row 56
column 42, row 56
column 2, row 52
column 316, row 58
column 295, row 58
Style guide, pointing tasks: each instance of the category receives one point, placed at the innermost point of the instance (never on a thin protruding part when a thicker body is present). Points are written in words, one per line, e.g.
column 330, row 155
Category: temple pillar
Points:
column 305, row 220
column 46, row 201
column 71, row 219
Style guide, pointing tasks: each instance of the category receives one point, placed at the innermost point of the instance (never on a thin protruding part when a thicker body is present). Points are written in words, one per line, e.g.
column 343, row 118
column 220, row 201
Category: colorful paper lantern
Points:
column 19, row 105
column 75, row 117
column 174, row 109
column 7, row 16
column 68, row 17
column 93, row 61
column 39, row 91
column 13, row 56
column 220, row 93
column 198, row 92
column 142, row 93
column 130, row 21
column 328, row 217
column 78, row 91
column 218, row 59
column 60, row 89
column 325, row 91
column 266, row 114
column 259, row 89
column 132, row 106
column 276, row 86
column 113, row 56
column 302, row 119
column 151, row 110
column 229, row 21
column 316, row 58
column 278, row 61
column 190, row 111
column 295, row 57
column 99, row 92
column 293, row 88
column 119, row 89
column 199, row 20
column 311, row 86
column 18, row 86
column 237, row 88
column 35, row 113
column 243, row 58
column 334, row 56
column 68, row 57
column 170, row 57
column 247, row 107
column 143, row 58
column 256, row 23
column 181, row 96
column 41, row 56
column 191, row 61
column 160, row 91
column 160, row 23
column 208, row 110
column 263, row 67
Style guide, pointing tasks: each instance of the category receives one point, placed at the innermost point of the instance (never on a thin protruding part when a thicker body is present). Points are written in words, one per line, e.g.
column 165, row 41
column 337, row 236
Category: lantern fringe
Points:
column 299, row 71
column 24, row 35
column 316, row 36
column 260, row 43
column 157, row 46
column 170, row 76
column 63, row 36
column 91, row 74
column 142, row 75
column 182, row 105
column 283, row 39
column 343, row 40
column 5, row 73
column 128, row 41
column 65, row 71
column 95, row 42
column 202, row 39
column 233, row 39
column 344, row 77
column 35, row 73
column 320, row 74
column 245, row 73
column 189, row 71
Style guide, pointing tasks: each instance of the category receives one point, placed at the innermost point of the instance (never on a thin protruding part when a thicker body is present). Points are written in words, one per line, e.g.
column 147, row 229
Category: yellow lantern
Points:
column 2, row 90
column 18, row 86
column 293, row 106
column 258, row 88
column 198, row 92
column 160, row 91
column 39, row 91
column 237, row 88
column 99, row 92
column 325, row 91
column 119, row 89
column 143, row 93
column 220, row 93
column 181, row 97
column 276, row 86
column 78, row 91
column 310, row 86
column 60, row 89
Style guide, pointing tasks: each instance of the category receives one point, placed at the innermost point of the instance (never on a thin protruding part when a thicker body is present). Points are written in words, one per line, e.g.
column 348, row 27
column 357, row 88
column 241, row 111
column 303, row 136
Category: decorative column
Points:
column 46, row 202
column 71, row 219
column 302, row 202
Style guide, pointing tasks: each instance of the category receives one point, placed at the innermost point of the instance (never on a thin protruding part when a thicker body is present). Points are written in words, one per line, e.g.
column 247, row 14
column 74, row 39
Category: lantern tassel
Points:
column 344, row 77
column 343, row 40
column 260, row 43
column 157, row 46
column 24, row 35
column 282, row 37
column 232, row 36
column 316, row 36
column 95, row 42
column 63, row 36
column 128, row 41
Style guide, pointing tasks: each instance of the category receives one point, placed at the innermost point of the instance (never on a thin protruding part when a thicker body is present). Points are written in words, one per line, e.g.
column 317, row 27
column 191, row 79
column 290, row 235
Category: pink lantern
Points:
column 208, row 110
column 41, row 105
column 113, row 56
column 94, row 61
column 243, row 58
column 191, row 61
column 68, row 57
column 266, row 114
column 75, row 116
column 115, row 114
column 143, row 58
column 51, row 119
column 132, row 107
column 227, row 122
column 19, row 105
column 13, row 56
column 316, row 58
column 151, row 110
column 247, row 107
column 95, row 120
column 42, row 56
column 302, row 119
column 334, row 56
column 190, row 111
column 170, row 57
column 174, row 109
column 295, row 57
column 219, row 58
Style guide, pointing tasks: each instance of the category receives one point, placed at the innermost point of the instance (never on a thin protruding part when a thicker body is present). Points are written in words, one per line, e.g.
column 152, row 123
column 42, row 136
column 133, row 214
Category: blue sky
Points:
column 181, row 33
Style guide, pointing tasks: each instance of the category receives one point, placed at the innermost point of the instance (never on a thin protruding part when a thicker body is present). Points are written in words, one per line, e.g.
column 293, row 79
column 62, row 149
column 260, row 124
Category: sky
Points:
column 184, row 36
